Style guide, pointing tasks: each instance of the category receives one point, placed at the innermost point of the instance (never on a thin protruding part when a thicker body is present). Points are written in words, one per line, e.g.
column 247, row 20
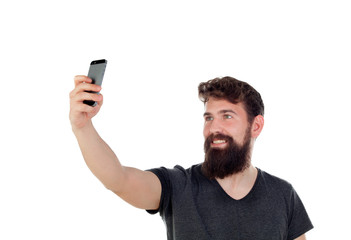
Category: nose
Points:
column 215, row 126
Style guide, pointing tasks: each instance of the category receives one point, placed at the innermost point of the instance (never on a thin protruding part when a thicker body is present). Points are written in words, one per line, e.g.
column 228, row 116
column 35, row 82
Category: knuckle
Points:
column 84, row 107
column 88, row 96
column 97, row 97
column 80, row 79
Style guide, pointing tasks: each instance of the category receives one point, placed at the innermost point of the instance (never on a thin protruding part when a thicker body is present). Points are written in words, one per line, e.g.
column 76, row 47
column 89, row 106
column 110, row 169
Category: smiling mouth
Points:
column 219, row 141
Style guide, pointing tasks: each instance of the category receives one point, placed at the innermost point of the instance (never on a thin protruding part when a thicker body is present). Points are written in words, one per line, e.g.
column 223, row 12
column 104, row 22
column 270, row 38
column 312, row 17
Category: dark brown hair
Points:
column 234, row 91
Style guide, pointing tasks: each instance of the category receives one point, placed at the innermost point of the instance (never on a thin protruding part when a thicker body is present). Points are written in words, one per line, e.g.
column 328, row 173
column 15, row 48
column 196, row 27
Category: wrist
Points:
column 88, row 127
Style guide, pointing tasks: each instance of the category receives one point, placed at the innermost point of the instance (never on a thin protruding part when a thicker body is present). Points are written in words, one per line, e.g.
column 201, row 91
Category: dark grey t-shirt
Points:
column 194, row 207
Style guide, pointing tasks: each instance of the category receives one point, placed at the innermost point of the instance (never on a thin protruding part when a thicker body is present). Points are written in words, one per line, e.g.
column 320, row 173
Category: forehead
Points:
column 217, row 106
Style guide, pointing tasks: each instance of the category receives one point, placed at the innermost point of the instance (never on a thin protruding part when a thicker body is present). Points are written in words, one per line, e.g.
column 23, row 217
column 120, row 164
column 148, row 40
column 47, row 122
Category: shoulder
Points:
column 177, row 181
column 284, row 197
column 274, row 180
column 178, row 174
column 277, row 190
column 275, row 184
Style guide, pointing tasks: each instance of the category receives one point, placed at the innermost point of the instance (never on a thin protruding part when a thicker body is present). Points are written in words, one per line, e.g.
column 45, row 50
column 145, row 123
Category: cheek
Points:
column 234, row 131
column 241, row 135
column 206, row 130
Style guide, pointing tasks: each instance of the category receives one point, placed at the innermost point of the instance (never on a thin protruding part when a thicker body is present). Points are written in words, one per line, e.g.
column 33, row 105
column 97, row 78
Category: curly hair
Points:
column 234, row 91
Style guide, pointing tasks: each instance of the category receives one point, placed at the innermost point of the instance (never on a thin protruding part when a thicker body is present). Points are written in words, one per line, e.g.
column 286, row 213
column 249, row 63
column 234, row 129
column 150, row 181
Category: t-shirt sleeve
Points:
column 163, row 176
column 173, row 182
column 299, row 222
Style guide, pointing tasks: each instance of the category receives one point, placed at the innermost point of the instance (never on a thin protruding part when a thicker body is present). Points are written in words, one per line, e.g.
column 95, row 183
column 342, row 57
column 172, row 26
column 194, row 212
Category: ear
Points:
column 257, row 126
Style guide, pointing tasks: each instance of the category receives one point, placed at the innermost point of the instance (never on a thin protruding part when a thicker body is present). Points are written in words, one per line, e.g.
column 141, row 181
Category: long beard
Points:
column 220, row 163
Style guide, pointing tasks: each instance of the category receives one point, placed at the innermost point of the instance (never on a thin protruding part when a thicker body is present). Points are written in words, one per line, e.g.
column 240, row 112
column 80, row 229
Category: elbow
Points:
column 113, row 189
column 116, row 187
column 115, row 183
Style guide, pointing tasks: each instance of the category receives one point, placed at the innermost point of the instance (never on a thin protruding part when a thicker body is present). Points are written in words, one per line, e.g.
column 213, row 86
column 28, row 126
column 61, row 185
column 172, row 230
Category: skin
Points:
column 142, row 189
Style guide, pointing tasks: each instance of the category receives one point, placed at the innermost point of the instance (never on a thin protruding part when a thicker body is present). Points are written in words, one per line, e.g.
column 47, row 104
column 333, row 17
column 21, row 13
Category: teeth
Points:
column 218, row 141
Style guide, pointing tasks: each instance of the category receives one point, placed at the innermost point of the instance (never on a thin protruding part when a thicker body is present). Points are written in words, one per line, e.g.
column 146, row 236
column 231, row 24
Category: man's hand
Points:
column 80, row 113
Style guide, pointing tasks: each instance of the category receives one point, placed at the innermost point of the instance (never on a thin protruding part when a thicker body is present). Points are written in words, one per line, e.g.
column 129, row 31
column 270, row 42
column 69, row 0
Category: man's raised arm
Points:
column 141, row 189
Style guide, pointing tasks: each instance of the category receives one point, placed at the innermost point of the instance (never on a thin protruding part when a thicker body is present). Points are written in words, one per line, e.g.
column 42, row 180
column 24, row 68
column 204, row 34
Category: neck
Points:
column 239, row 185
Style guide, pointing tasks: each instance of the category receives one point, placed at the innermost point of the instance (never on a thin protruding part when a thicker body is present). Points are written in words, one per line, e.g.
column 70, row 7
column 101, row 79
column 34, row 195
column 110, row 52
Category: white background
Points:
column 297, row 54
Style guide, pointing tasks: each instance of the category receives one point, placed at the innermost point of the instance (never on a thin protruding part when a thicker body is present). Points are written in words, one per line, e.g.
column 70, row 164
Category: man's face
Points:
column 227, row 138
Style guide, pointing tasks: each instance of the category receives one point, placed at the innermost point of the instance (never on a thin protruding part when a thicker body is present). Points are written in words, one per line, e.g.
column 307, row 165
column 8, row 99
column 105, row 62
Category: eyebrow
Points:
column 221, row 112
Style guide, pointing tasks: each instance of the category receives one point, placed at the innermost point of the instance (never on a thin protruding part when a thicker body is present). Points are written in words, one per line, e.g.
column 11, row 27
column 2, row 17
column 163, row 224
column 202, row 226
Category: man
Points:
column 225, row 197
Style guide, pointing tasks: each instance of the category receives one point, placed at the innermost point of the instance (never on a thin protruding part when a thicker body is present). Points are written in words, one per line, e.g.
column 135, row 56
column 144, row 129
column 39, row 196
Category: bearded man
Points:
column 225, row 197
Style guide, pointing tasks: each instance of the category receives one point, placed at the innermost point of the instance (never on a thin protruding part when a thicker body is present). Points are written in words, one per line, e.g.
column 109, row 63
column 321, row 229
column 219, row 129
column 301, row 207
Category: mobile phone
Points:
column 96, row 73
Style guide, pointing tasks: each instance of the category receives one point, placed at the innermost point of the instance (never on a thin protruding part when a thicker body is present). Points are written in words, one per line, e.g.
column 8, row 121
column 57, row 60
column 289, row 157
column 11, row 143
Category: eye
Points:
column 208, row 118
column 226, row 116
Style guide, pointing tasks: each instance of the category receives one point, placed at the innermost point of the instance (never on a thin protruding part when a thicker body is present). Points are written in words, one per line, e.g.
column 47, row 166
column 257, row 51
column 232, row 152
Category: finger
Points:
column 84, row 87
column 82, row 108
column 101, row 101
column 80, row 97
column 81, row 79
column 88, row 87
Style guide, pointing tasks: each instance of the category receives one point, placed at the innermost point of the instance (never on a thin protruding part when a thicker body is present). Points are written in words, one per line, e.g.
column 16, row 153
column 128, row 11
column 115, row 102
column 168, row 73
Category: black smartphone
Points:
column 96, row 73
